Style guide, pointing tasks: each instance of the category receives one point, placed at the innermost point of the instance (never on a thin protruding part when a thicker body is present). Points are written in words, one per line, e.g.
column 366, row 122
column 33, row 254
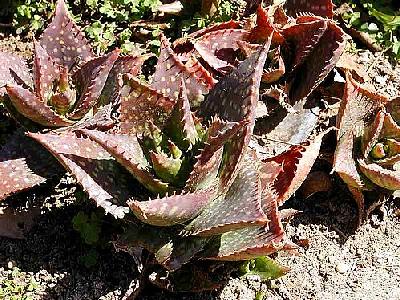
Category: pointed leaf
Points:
column 63, row 40
column 318, row 63
column 358, row 105
column 168, row 70
column 292, row 130
column 323, row 8
column 165, row 167
column 128, row 152
column 98, row 173
column 13, row 70
column 211, row 46
column 124, row 64
column 45, row 73
column 296, row 164
column 181, row 126
column 170, row 210
column 344, row 161
column 235, row 96
column 180, row 251
column 23, row 165
column 92, row 77
column 143, row 105
column 240, row 207
column 251, row 242
column 303, row 38
column 388, row 179
column 247, row 243
column 205, row 170
column 264, row 28
column 30, row 106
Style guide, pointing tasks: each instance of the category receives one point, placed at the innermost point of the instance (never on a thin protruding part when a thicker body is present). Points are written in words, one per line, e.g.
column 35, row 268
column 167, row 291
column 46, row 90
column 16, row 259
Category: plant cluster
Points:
column 379, row 19
column 114, row 20
column 173, row 158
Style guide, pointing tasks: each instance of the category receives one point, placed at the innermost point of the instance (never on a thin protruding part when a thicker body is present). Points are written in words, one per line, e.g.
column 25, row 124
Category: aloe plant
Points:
column 177, row 165
column 67, row 84
column 367, row 152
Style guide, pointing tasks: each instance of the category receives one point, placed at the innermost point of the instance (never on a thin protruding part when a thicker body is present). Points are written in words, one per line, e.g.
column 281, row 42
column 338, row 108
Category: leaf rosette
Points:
column 368, row 152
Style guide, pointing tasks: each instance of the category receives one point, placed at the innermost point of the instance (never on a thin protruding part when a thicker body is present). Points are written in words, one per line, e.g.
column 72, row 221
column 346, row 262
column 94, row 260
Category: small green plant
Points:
column 88, row 226
column 264, row 267
column 112, row 19
column 18, row 287
column 379, row 19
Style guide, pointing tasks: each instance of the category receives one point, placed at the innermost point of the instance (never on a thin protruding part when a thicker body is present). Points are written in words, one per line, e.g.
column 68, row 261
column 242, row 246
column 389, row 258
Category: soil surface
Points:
column 336, row 260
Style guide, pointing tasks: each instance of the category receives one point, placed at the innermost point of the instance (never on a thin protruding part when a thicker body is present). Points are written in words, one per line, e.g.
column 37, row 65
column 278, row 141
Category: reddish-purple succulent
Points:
column 67, row 84
column 368, row 149
column 184, row 139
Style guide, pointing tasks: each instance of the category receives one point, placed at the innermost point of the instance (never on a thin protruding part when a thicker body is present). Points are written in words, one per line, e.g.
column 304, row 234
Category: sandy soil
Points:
column 336, row 261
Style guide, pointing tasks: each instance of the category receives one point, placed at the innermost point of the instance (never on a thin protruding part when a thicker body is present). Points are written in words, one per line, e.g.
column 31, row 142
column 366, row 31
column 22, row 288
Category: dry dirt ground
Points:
column 336, row 261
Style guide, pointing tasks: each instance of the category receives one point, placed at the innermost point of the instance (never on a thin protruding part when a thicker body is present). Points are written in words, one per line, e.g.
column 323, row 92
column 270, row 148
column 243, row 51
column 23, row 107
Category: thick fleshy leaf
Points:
column 323, row 8
column 63, row 40
column 318, row 63
column 31, row 107
column 251, row 242
column 344, row 161
column 165, row 167
column 390, row 128
column 205, row 170
column 388, row 179
column 296, row 164
column 235, row 96
column 124, row 64
column 181, row 125
column 231, row 24
column 95, row 170
column 372, row 133
column 264, row 28
column 45, row 73
column 13, row 70
column 170, row 69
column 238, row 208
column 180, row 251
column 126, row 149
column 247, row 243
column 276, row 67
column 292, row 130
column 23, row 165
column 303, row 38
column 358, row 105
column 92, row 77
column 213, row 46
column 142, row 106
column 171, row 210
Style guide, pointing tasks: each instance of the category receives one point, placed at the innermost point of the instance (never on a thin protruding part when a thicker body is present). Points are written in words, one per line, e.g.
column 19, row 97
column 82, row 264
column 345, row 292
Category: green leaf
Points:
column 264, row 267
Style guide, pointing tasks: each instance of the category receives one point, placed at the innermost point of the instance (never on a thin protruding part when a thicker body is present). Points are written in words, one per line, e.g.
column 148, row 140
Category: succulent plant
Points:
column 68, row 83
column 304, row 49
column 210, row 195
column 68, row 80
column 183, row 140
column 367, row 151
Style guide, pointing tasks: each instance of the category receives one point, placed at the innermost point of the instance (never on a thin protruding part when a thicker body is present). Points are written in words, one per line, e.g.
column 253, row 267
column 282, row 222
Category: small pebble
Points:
column 342, row 267
column 10, row 265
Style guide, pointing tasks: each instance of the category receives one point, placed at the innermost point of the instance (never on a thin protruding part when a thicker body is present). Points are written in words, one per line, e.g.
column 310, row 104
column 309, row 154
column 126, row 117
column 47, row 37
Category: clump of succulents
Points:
column 367, row 153
column 183, row 139
column 68, row 84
